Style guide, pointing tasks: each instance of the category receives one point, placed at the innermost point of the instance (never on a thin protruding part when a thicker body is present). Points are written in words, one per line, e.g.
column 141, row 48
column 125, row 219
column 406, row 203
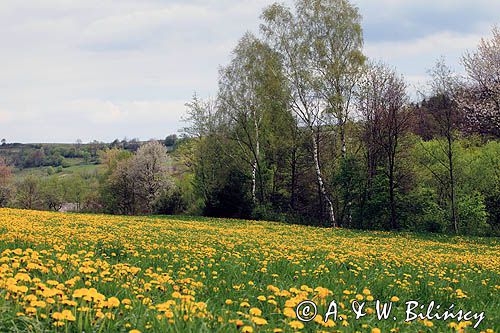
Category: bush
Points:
column 65, row 163
column 492, row 203
column 472, row 215
column 170, row 203
column 267, row 212
column 230, row 199
column 50, row 171
column 421, row 212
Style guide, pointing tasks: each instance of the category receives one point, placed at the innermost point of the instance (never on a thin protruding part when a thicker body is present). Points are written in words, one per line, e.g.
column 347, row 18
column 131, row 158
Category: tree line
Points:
column 304, row 127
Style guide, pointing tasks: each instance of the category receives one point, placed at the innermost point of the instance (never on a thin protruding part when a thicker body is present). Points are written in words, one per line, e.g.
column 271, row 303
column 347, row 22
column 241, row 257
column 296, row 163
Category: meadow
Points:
column 98, row 273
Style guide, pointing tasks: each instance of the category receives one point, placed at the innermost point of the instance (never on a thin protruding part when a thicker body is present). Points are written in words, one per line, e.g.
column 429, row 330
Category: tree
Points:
column 170, row 140
column 199, row 153
column 119, row 191
column 78, row 144
column 381, row 102
column 76, row 189
column 289, row 39
column 335, row 40
column 240, row 107
column 52, row 193
column 116, row 183
column 149, row 171
column 5, row 182
column 480, row 96
column 111, row 157
column 447, row 116
column 249, row 90
column 28, row 192
column 4, row 142
column 201, row 117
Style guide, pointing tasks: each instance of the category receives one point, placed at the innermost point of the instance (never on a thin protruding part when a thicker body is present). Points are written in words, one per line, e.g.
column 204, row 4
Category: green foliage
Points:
column 349, row 183
column 170, row 202
column 472, row 215
column 52, row 193
column 373, row 209
column 170, row 140
column 492, row 203
column 230, row 198
column 421, row 212
column 476, row 167
column 51, row 170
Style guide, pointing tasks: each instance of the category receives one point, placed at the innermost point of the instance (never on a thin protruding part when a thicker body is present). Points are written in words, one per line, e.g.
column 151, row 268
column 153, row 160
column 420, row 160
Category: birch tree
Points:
column 242, row 86
column 334, row 39
column 287, row 37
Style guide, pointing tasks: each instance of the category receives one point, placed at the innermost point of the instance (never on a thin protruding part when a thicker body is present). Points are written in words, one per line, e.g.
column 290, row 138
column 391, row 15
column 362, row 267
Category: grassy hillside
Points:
column 74, row 169
column 75, row 273
column 45, row 159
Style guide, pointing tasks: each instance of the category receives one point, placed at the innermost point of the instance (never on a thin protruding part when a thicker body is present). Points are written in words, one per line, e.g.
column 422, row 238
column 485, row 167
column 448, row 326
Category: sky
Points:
column 106, row 69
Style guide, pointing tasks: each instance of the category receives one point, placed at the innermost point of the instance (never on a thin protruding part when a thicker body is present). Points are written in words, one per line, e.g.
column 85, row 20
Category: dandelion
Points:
column 296, row 325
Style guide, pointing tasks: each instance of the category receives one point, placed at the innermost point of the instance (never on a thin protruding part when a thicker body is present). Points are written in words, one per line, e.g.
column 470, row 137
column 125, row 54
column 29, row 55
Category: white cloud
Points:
column 139, row 26
column 102, row 69
column 443, row 41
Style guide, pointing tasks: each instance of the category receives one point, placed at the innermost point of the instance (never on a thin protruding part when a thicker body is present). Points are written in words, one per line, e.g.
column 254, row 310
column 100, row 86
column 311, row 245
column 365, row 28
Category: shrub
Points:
column 51, row 170
column 472, row 215
column 230, row 199
column 421, row 212
column 170, row 202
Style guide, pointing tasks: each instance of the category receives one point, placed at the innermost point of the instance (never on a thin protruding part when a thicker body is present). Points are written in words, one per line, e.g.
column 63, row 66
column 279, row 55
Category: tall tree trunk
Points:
column 321, row 184
column 454, row 218
column 392, row 199
column 294, row 177
column 255, row 162
column 343, row 145
column 254, row 181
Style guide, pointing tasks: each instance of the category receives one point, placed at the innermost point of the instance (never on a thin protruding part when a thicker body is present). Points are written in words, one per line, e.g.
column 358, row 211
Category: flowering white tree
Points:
column 480, row 97
column 150, row 171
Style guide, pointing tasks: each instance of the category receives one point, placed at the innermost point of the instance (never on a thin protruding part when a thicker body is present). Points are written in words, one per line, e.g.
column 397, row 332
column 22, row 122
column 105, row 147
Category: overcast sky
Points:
column 106, row 69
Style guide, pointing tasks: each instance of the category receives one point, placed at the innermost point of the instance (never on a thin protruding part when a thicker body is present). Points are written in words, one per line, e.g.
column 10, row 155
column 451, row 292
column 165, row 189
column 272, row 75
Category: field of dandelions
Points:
column 98, row 273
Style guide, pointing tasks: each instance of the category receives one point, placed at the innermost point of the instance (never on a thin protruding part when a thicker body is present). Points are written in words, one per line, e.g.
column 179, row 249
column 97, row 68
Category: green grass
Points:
column 76, row 168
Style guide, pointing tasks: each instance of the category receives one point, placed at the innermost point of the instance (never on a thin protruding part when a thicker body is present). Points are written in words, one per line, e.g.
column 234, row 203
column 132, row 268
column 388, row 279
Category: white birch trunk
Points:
column 321, row 183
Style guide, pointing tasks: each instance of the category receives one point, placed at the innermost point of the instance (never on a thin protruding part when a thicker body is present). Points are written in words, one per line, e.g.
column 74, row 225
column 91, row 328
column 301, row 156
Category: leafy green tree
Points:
column 170, row 140
column 250, row 89
column 289, row 39
column 52, row 193
column 28, row 194
column 333, row 38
